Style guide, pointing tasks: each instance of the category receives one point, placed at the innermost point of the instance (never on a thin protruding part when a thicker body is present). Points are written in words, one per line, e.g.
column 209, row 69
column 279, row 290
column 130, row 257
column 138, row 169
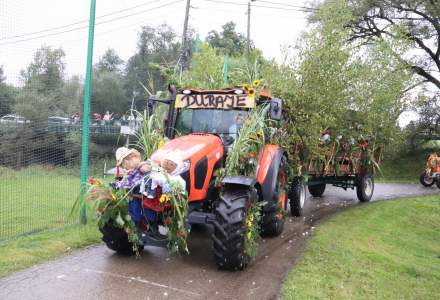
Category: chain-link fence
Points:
column 43, row 56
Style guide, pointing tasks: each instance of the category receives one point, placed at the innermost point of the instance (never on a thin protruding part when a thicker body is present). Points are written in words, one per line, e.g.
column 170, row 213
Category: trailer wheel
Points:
column 116, row 239
column 427, row 181
column 317, row 190
column 297, row 196
column 228, row 237
column 364, row 187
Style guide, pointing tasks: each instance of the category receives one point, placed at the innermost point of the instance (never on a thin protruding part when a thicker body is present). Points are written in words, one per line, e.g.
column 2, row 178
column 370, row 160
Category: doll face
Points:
column 131, row 161
column 168, row 165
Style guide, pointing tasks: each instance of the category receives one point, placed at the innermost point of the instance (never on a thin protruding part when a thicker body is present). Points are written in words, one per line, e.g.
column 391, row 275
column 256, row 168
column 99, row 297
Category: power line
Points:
column 262, row 6
column 79, row 22
column 86, row 26
column 288, row 5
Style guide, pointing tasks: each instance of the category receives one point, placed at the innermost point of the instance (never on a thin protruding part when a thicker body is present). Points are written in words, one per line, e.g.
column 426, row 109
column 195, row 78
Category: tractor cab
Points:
column 219, row 112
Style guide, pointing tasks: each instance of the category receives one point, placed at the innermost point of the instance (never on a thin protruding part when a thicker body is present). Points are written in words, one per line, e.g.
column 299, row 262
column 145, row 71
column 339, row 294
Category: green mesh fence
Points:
column 43, row 57
column 39, row 138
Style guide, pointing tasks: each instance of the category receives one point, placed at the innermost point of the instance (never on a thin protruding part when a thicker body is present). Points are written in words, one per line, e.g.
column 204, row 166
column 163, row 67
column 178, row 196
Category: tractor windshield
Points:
column 219, row 121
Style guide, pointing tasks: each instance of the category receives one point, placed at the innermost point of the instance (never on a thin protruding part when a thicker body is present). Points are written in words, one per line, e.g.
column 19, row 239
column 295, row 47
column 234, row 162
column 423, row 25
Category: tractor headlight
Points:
column 186, row 164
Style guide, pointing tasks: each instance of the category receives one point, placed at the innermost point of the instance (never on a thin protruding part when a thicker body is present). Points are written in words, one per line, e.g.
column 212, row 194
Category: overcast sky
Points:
column 270, row 28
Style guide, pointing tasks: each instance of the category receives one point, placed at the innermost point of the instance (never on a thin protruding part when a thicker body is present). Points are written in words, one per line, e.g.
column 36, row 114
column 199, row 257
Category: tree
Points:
column 326, row 83
column 43, row 80
column 110, row 62
column 46, row 72
column 7, row 95
column 108, row 93
column 156, row 45
column 416, row 22
column 228, row 41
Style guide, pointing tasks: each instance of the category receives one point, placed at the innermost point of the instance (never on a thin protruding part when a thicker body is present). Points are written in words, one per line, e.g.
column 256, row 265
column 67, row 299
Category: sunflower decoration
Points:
column 252, row 228
column 252, row 92
column 253, row 89
column 246, row 88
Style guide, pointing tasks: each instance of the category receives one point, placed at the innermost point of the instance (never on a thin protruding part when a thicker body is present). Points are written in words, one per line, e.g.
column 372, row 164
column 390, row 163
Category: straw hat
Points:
column 122, row 153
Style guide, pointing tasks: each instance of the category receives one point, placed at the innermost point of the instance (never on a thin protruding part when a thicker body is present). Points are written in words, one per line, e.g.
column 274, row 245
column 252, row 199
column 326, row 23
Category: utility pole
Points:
column 248, row 50
column 184, row 50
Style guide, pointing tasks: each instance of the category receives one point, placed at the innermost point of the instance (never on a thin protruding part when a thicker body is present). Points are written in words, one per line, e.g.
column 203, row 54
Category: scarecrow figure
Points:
column 135, row 169
column 148, row 185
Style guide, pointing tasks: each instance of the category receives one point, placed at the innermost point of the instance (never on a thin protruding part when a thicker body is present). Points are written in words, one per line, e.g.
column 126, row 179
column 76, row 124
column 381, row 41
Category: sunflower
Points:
column 246, row 88
column 161, row 143
column 256, row 83
column 251, row 92
column 164, row 198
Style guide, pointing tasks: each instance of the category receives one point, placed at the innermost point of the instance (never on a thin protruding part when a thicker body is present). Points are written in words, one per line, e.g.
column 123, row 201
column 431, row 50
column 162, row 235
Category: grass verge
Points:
column 26, row 251
column 384, row 250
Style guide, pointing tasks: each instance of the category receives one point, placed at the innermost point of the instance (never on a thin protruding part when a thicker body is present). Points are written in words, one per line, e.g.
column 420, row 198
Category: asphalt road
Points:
column 98, row 273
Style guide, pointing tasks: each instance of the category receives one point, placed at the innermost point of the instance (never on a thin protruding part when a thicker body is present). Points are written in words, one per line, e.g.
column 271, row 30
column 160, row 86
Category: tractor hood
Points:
column 192, row 147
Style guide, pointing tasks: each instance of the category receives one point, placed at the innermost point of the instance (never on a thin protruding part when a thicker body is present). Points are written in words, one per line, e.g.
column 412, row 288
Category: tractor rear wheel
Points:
column 273, row 216
column 297, row 197
column 229, row 231
column 116, row 239
column 437, row 182
column 317, row 190
column 364, row 187
column 427, row 181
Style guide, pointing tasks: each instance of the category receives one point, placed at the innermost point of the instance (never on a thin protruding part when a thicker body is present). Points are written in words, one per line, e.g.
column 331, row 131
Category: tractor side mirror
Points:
column 276, row 109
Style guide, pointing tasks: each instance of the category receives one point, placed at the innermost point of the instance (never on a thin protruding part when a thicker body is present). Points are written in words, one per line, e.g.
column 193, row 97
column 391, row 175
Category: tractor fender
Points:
column 267, row 172
column 239, row 180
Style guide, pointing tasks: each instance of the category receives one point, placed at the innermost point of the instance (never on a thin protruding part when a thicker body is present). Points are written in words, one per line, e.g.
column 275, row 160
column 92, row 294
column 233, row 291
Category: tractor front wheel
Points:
column 297, row 197
column 426, row 180
column 229, row 231
column 116, row 239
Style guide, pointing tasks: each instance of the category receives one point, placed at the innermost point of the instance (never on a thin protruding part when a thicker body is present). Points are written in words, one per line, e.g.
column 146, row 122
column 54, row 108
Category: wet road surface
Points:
column 99, row 273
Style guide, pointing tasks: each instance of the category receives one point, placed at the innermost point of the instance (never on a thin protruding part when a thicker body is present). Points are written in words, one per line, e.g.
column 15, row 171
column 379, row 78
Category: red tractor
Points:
column 200, row 125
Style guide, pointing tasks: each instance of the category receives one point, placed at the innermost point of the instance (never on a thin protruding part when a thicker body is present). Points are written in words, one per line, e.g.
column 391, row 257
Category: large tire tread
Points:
column 116, row 239
column 296, row 192
column 317, row 190
column 360, row 187
column 229, row 240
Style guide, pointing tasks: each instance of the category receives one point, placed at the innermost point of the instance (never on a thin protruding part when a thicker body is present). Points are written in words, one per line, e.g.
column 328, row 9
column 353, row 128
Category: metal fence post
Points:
column 86, row 113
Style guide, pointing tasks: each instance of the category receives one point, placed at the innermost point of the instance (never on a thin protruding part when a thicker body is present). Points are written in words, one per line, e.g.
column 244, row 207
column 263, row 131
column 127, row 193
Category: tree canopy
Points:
column 228, row 41
column 416, row 22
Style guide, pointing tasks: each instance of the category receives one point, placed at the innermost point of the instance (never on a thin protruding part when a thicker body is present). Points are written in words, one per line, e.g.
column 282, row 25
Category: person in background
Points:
column 107, row 117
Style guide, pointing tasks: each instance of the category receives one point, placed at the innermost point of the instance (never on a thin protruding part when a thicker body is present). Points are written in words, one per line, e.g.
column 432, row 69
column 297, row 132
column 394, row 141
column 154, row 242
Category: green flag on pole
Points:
column 225, row 69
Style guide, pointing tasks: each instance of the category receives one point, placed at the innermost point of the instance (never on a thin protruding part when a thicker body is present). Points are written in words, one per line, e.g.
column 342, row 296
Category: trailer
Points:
column 346, row 163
